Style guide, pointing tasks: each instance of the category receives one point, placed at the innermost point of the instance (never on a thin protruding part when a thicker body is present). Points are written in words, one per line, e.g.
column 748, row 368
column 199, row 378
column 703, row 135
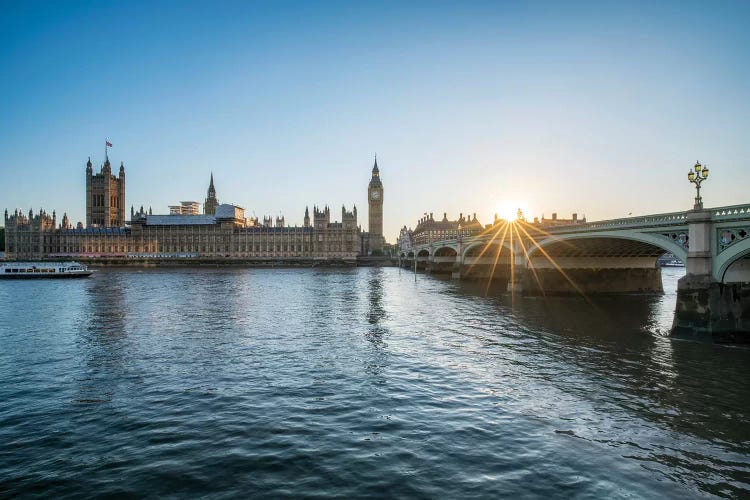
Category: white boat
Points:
column 38, row 270
column 672, row 263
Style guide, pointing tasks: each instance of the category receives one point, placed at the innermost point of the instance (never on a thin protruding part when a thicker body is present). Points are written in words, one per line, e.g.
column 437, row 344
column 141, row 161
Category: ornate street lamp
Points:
column 700, row 175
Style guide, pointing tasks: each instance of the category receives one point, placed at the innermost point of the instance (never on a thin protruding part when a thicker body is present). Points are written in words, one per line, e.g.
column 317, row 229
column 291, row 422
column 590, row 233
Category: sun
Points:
column 508, row 210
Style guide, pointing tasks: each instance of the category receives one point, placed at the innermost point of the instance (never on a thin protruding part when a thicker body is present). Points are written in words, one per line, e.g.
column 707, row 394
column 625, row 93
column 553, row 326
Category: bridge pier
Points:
column 517, row 279
column 592, row 281
column 442, row 265
column 459, row 262
column 483, row 269
column 705, row 307
column 456, row 270
column 712, row 310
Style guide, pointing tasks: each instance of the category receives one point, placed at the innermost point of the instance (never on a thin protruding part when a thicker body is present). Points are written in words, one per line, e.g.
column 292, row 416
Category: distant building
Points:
column 105, row 196
column 428, row 229
column 555, row 221
column 185, row 208
column 224, row 233
column 405, row 240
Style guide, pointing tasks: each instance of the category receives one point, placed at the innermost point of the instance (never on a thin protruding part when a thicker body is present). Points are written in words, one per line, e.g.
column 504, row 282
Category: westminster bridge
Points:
column 614, row 256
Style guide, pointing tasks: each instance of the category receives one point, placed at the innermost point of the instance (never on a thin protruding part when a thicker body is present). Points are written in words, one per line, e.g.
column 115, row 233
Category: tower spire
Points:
column 375, row 212
column 209, row 207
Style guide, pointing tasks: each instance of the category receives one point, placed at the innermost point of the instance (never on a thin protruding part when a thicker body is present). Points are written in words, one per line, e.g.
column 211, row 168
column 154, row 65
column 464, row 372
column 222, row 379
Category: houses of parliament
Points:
column 221, row 232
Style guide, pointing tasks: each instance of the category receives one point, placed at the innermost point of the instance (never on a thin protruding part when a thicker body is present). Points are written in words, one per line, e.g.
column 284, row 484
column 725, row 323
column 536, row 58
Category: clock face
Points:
column 374, row 194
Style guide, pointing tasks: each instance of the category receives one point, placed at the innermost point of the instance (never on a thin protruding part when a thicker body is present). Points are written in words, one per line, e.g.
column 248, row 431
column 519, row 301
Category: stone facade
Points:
column 105, row 196
column 177, row 236
column 375, row 211
column 428, row 229
column 29, row 235
column 225, row 233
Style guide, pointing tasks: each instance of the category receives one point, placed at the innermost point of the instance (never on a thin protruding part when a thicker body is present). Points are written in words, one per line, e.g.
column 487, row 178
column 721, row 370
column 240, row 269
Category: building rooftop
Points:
column 226, row 211
column 179, row 220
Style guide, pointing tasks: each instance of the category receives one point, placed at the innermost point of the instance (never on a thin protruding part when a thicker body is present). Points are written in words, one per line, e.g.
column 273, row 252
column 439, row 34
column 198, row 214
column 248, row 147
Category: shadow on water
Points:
column 621, row 343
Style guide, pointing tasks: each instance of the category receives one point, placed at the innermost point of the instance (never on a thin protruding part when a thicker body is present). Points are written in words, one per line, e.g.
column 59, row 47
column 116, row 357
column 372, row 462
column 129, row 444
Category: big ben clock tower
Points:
column 375, row 212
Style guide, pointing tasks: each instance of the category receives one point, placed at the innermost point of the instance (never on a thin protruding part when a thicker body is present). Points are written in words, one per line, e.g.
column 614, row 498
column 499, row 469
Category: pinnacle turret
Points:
column 209, row 206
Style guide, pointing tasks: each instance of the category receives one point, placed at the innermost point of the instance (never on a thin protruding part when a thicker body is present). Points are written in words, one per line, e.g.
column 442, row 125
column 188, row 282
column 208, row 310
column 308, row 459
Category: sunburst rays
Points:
column 523, row 242
column 497, row 258
column 552, row 261
column 520, row 236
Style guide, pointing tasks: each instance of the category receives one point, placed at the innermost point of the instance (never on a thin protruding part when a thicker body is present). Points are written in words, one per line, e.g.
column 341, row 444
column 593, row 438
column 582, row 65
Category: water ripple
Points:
column 356, row 383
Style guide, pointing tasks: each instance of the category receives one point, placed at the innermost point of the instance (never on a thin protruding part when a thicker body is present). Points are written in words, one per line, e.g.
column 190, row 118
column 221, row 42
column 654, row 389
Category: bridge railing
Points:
column 727, row 213
column 669, row 219
column 731, row 212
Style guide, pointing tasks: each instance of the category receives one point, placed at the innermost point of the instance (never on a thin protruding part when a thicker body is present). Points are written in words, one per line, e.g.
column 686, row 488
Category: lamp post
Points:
column 700, row 175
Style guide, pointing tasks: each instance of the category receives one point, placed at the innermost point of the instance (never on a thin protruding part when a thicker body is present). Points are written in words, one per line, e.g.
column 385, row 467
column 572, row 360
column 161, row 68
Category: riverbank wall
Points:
column 171, row 262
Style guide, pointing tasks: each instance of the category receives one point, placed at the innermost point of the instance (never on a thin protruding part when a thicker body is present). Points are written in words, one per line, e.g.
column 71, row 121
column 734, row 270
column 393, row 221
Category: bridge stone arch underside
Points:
column 599, row 262
column 486, row 260
column 473, row 259
column 733, row 264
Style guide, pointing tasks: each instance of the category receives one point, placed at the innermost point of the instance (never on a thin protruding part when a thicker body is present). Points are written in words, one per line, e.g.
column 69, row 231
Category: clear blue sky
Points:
column 597, row 108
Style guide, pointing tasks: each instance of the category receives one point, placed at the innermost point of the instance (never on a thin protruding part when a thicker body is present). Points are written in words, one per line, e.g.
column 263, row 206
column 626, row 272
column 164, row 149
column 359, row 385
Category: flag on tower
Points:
column 109, row 144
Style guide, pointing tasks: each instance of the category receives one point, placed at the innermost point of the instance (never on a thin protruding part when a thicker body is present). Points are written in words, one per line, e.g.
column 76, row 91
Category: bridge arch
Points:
column 445, row 251
column 641, row 244
column 474, row 248
column 425, row 252
column 733, row 264
column 599, row 262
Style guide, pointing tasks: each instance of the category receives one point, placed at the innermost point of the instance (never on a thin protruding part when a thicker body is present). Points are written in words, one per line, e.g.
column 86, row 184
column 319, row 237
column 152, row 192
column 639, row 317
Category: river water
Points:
column 355, row 383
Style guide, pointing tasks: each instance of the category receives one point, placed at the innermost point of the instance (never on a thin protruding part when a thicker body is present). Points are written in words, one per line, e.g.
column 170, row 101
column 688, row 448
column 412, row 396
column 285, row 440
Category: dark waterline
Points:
column 361, row 382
